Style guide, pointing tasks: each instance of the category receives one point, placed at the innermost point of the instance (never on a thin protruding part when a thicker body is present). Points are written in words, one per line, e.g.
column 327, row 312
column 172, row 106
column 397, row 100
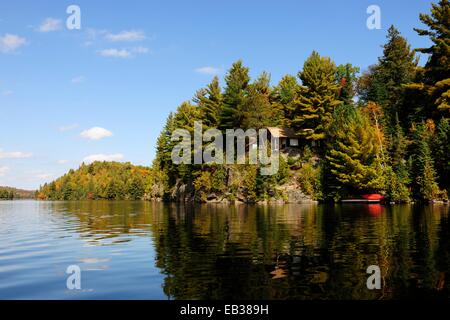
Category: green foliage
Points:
column 249, row 183
column 353, row 155
column 422, row 170
column 237, row 81
column 283, row 100
column 6, row 194
column 211, row 180
column 435, row 84
column 209, row 101
column 396, row 188
column 310, row 180
column 256, row 111
column 266, row 185
column 99, row 180
column 318, row 98
column 362, row 148
column 442, row 153
column 385, row 82
column 346, row 77
column 202, row 185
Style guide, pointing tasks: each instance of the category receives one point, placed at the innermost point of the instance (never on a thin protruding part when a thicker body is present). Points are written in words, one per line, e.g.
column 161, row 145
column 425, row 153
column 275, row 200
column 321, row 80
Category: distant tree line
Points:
column 99, row 180
column 9, row 193
column 6, row 194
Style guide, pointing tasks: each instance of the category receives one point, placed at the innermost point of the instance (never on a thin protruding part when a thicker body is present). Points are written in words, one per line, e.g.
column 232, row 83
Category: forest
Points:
column 385, row 130
column 97, row 181
column 7, row 193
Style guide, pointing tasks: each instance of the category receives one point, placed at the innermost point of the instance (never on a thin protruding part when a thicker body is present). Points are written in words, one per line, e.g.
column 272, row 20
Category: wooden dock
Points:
column 360, row 201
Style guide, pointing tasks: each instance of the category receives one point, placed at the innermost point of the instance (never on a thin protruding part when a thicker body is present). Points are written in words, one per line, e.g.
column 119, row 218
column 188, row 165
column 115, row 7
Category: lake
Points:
column 144, row 250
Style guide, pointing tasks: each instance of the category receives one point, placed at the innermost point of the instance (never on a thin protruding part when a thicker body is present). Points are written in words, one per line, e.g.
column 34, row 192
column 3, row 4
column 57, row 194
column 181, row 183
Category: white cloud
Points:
column 96, row 133
column 103, row 157
column 62, row 161
column 50, row 24
column 127, row 36
column 208, row 70
column 7, row 93
column 78, row 79
column 68, row 127
column 115, row 53
column 3, row 171
column 9, row 43
column 14, row 155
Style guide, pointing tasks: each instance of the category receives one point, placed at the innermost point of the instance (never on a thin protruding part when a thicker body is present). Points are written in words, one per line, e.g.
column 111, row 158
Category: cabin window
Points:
column 293, row 142
column 276, row 145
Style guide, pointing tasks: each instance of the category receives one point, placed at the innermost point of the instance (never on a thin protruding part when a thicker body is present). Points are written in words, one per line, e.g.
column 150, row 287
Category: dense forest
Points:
column 385, row 130
column 99, row 180
column 7, row 193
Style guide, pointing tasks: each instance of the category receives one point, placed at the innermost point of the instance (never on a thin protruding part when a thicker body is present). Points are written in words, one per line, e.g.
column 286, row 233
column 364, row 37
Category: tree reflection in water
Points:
column 282, row 252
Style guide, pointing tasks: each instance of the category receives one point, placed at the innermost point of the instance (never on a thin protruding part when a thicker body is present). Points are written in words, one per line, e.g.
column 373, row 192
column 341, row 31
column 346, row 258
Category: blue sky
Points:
column 104, row 91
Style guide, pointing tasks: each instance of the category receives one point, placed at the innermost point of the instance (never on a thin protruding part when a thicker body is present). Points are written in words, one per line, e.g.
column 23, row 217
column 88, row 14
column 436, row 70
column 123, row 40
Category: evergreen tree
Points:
column 315, row 105
column 210, row 100
column 136, row 189
column 346, row 79
column 442, row 153
column 436, row 78
column 397, row 175
column 386, row 86
column 398, row 148
column 164, row 144
column 186, row 115
column 283, row 100
column 353, row 163
column 256, row 110
column 237, row 81
column 422, row 166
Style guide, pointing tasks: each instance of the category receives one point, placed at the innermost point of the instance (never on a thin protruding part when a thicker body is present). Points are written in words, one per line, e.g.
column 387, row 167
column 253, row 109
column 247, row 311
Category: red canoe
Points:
column 372, row 196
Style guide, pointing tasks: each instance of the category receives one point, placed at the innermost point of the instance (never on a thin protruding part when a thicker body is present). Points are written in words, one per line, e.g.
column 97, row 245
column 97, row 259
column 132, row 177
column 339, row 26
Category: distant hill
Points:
column 99, row 180
column 14, row 193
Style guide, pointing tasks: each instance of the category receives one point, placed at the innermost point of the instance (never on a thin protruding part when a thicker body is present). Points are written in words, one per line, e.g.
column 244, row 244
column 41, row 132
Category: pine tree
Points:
column 442, row 153
column 422, row 166
column 353, row 162
column 315, row 105
column 282, row 98
column 346, row 79
column 398, row 148
column 396, row 68
column 256, row 111
column 237, row 81
column 436, row 79
column 186, row 115
column 164, row 144
column 210, row 100
column 136, row 189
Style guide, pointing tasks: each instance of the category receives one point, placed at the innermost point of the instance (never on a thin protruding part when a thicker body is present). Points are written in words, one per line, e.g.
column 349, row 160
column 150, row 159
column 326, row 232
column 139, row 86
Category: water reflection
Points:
column 302, row 252
column 263, row 252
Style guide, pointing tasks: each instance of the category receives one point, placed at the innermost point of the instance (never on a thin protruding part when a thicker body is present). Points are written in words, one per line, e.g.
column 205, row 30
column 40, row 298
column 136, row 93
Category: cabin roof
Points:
column 282, row 132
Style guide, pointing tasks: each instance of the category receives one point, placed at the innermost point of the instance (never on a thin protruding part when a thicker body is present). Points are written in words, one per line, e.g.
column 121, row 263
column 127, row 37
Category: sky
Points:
column 103, row 92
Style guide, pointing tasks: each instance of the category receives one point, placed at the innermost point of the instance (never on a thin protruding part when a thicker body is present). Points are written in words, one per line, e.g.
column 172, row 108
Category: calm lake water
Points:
column 142, row 250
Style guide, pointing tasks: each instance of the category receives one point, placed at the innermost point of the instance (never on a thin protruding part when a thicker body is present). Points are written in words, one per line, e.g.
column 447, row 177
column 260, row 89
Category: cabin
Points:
column 287, row 137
